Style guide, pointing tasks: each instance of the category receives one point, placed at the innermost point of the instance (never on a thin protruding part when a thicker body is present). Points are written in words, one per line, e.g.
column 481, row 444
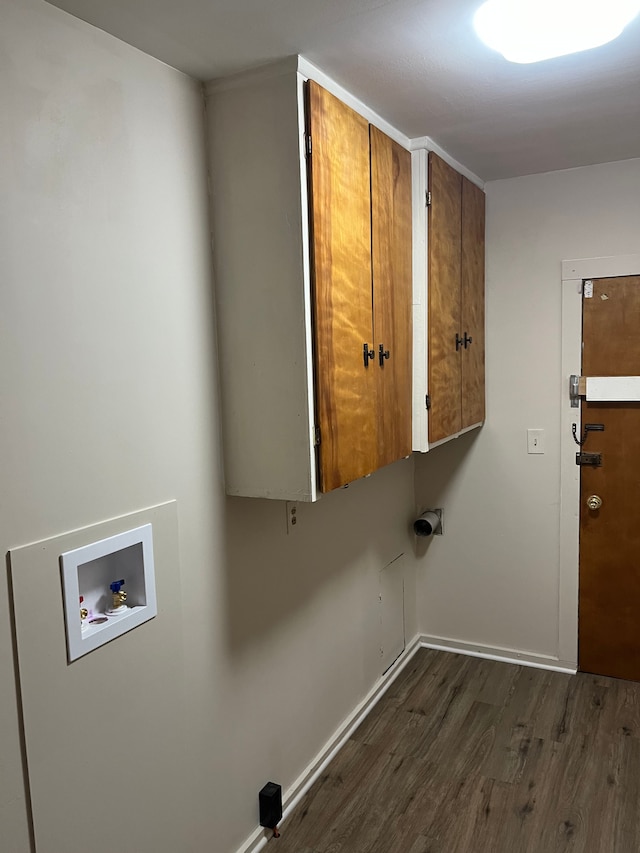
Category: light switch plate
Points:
column 535, row 441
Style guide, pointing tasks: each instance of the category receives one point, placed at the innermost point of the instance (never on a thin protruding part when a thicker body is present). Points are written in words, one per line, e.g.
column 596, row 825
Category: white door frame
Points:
column 573, row 274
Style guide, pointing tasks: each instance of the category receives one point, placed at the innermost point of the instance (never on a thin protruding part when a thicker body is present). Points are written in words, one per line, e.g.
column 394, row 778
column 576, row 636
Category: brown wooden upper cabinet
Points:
column 360, row 189
column 456, row 225
column 311, row 217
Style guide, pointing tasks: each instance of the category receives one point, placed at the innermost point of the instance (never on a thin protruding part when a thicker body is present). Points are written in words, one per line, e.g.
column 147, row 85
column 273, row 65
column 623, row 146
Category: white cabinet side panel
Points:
column 258, row 226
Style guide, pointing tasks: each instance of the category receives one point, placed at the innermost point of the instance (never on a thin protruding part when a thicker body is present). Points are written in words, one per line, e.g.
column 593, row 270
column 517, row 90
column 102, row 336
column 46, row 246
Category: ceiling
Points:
column 418, row 64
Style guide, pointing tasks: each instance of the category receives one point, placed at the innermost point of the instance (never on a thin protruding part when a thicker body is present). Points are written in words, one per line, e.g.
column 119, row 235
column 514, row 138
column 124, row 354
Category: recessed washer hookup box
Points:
column 109, row 588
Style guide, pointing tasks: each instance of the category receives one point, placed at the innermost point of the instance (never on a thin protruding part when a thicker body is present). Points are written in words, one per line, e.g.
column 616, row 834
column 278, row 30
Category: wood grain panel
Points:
column 472, row 362
column 341, row 264
column 392, row 292
column 445, row 258
column 609, row 638
column 464, row 755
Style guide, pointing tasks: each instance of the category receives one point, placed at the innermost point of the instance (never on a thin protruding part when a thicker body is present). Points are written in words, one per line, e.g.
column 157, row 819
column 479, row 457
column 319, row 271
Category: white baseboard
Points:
column 258, row 839
column 444, row 644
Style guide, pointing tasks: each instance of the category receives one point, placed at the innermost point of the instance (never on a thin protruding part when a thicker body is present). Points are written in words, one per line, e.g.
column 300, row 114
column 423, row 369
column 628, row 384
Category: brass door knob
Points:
column 594, row 502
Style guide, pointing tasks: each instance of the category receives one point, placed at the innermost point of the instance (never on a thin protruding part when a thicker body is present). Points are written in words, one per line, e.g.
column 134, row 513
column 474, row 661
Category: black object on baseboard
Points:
column 270, row 799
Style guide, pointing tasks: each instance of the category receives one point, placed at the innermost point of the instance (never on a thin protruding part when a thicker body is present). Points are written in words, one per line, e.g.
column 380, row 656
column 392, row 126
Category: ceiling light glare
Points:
column 532, row 30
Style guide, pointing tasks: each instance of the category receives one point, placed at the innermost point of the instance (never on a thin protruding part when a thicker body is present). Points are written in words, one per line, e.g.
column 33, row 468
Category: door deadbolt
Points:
column 594, row 502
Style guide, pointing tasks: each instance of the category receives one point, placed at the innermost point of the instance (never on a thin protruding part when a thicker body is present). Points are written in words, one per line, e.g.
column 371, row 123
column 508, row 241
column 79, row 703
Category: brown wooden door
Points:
column 445, row 263
column 609, row 600
column 392, row 293
column 472, row 362
column 341, row 267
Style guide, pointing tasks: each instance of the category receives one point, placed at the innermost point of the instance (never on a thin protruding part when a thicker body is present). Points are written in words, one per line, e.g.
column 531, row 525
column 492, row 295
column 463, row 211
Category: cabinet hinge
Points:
column 428, row 198
column 316, row 436
column 307, row 144
column 427, row 402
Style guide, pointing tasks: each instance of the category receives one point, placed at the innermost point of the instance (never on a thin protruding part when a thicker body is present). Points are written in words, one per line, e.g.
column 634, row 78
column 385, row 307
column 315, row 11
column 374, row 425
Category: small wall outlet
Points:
column 292, row 516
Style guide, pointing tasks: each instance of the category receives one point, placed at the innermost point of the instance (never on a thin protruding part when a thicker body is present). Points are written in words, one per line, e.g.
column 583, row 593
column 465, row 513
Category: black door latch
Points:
column 593, row 459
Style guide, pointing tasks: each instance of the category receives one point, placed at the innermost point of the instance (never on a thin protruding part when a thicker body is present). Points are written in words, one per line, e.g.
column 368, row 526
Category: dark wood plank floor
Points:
column 464, row 755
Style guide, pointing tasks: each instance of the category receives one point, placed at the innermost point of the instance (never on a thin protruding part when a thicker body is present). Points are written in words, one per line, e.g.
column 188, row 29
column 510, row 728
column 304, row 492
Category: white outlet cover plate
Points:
column 79, row 641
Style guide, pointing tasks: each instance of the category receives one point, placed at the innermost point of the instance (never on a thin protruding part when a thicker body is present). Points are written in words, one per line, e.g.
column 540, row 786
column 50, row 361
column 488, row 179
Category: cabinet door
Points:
column 341, row 266
column 392, row 297
column 445, row 258
column 473, row 220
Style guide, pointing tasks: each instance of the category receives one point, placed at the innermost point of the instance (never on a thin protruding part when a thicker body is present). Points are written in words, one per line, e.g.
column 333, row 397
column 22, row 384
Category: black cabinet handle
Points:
column 459, row 342
column 367, row 354
column 382, row 354
column 467, row 340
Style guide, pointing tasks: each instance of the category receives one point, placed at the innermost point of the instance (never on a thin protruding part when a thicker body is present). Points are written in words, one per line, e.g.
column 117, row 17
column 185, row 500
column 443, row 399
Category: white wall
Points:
column 109, row 404
column 492, row 579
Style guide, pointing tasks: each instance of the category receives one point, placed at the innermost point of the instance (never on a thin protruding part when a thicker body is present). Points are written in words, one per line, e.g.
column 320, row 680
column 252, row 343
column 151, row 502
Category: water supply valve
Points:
column 118, row 596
